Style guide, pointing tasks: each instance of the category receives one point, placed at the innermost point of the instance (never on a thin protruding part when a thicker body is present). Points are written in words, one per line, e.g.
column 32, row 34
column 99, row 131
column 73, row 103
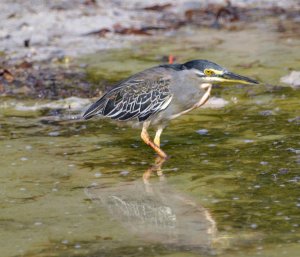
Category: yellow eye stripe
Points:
column 211, row 72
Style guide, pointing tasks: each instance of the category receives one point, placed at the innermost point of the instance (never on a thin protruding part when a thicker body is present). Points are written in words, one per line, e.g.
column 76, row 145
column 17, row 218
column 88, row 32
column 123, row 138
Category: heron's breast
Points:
column 185, row 100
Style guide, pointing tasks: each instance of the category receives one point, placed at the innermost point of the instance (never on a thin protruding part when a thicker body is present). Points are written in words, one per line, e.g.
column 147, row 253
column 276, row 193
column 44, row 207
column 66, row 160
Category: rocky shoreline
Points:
column 42, row 30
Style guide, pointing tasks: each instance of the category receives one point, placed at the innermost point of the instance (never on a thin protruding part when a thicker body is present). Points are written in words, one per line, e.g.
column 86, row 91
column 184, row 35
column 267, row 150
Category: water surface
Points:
column 230, row 188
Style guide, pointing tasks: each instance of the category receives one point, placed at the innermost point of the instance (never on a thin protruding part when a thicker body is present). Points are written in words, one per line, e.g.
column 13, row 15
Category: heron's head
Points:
column 213, row 73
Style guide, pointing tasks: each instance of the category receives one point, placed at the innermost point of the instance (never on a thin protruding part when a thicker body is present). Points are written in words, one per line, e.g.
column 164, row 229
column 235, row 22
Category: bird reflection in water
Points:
column 157, row 213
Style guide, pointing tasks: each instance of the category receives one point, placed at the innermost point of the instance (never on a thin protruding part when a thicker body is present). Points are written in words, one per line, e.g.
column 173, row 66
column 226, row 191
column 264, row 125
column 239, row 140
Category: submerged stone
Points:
column 293, row 79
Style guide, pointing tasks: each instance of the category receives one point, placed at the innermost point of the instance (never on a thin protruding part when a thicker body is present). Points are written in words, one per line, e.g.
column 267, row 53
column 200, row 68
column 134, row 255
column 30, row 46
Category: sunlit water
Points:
column 230, row 188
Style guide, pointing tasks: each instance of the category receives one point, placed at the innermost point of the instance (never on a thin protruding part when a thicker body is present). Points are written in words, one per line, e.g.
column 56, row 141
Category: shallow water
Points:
column 230, row 188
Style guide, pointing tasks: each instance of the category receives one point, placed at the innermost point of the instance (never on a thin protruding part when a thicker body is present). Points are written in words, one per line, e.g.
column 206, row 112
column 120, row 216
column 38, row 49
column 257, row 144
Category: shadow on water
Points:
column 157, row 213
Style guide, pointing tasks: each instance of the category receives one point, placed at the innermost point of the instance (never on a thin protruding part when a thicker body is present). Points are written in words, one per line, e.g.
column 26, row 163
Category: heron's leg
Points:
column 157, row 136
column 146, row 138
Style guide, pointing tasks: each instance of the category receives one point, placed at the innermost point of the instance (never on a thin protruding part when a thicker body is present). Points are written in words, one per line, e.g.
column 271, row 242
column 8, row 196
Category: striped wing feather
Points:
column 135, row 98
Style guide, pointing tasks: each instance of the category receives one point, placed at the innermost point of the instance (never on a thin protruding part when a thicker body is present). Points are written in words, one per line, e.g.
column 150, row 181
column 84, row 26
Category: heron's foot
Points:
column 155, row 146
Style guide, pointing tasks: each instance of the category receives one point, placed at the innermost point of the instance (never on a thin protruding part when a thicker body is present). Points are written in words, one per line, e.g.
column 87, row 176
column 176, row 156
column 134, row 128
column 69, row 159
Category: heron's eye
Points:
column 208, row 72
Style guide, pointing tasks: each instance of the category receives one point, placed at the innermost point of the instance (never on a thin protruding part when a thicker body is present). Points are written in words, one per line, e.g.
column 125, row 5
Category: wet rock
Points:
column 264, row 163
column 54, row 134
column 202, row 131
column 283, row 171
column 295, row 120
column 97, row 174
column 24, row 90
column 215, row 102
column 124, row 172
column 293, row 79
column 157, row 7
column 6, row 75
column 40, row 80
column 293, row 150
column 266, row 113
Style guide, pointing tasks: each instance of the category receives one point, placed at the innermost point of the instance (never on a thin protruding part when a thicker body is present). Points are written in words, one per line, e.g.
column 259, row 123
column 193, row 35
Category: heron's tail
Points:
column 95, row 109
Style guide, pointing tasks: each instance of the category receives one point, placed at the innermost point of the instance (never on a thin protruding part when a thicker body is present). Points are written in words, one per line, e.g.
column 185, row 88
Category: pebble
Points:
column 266, row 113
column 77, row 246
column 293, row 150
column 283, row 171
column 124, row 172
column 202, row 131
column 54, row 134
column 98, row 175
column 254, row 226
column 293, row 79
column 264, row 163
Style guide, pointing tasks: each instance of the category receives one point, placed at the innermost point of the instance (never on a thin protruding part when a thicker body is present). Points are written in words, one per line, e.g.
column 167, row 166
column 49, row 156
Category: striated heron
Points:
column 160, row 94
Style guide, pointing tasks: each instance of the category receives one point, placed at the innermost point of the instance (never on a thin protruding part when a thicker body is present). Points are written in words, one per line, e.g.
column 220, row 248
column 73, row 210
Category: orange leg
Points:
column 146, row 138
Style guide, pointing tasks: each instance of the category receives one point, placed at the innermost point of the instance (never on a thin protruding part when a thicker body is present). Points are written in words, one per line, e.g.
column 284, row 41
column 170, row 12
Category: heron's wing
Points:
column 140, row 97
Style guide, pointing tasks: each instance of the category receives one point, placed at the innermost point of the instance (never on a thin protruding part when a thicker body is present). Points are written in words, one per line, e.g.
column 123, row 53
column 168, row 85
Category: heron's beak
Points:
column 229, row 77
